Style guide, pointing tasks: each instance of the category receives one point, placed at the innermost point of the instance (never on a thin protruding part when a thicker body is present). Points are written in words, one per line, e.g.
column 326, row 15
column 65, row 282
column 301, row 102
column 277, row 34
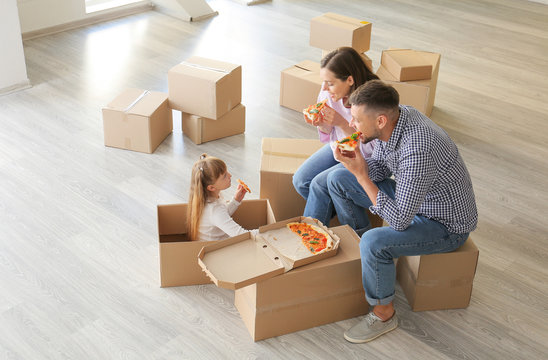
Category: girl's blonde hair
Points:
column 204, row 172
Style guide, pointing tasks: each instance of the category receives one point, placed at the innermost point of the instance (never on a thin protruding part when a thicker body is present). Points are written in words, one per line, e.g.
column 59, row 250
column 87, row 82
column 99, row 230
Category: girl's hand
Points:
column 240, row 193
column 330, row 117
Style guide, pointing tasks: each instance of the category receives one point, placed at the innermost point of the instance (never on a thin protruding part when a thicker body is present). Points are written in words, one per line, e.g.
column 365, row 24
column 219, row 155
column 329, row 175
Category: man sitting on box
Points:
column 430, row 206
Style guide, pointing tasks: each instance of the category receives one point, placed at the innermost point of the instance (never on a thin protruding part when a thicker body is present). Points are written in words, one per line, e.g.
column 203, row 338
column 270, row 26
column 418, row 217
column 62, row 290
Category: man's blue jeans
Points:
column 380, row 246
column 310, row 181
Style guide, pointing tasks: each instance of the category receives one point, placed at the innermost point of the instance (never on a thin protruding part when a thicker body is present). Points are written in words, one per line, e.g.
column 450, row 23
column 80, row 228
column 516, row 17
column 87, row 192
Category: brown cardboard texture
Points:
column 279, row 160
column 248, row 258
column 366, row 59
column 406, row 65
column 300, row 85
column 418, row 93
column 439, row 281
column 205, row 87
column 137, row 120
column 200, row 129
column 330, row 31
column 179, row 256
column 312, row 295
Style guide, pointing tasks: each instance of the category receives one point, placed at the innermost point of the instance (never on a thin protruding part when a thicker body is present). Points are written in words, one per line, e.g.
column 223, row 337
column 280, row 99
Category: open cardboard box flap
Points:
column 246, row 259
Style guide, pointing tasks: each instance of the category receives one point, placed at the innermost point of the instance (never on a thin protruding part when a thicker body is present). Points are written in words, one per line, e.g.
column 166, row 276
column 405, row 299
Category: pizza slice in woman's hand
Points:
column 312, row 113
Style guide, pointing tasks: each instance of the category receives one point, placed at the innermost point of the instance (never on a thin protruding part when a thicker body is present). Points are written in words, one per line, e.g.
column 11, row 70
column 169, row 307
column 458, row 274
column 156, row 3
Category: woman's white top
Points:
column 217, row 222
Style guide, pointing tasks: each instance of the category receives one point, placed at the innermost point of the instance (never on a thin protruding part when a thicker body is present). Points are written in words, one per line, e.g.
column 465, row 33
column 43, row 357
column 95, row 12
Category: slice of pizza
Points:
column 349, row 143
column 312, row 112
column 244, row 186
column 314, row 238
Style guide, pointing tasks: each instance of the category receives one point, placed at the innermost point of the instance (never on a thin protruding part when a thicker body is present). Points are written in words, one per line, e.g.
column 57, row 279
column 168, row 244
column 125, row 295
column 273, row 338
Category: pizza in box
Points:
column 303, row 239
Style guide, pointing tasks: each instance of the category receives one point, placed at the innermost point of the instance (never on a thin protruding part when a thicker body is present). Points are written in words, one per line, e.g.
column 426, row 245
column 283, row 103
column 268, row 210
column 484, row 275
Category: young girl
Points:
column 210, row 216
column 342, row 71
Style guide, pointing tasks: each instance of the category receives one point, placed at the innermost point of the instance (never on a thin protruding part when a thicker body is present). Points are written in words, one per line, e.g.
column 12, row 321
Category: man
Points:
column 429, row 205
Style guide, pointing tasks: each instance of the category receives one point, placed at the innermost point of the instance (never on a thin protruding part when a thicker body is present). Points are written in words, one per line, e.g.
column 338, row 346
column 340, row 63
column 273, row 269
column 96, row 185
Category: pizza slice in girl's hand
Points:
column 349, row 143
column 244, row 186
column 312, row 112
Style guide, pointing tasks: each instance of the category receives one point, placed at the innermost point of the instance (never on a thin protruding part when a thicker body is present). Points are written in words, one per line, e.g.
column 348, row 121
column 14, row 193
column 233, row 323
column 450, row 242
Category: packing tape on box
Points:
column 349, row 21
column 302, row 68
column 136, row 101
column 198, row 66
column 127, row 143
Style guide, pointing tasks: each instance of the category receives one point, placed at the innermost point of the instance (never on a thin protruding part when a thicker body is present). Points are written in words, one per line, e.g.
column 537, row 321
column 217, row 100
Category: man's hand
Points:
column 354, row 162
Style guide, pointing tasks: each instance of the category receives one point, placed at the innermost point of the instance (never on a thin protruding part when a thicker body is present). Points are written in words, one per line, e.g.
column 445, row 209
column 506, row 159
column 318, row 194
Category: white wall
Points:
column 13, row 70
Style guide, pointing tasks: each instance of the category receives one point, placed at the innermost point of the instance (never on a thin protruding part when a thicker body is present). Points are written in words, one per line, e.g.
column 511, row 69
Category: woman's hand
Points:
column 330, row 117
column 240, row 193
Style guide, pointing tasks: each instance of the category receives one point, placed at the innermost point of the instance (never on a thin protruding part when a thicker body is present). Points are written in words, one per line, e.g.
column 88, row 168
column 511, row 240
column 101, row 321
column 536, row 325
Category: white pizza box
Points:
column 248, row 258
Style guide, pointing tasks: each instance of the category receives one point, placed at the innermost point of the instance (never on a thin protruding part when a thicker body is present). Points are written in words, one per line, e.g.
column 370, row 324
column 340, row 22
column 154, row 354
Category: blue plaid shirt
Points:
column 431, row 178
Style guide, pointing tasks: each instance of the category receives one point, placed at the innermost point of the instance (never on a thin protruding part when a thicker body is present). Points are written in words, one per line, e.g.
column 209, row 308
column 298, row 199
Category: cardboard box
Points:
column 200, row 129
column 205, row 87
column 279, row 160
column 179, row 256
column 137, row 120
column 316, row 294
column 439, row 281
column 330, row 31
column 420, row 94
column 366, row 59
column 300, row 85
column 406, row 65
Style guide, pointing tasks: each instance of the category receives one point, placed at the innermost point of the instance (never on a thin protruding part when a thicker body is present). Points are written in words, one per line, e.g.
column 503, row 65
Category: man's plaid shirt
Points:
column 431, row 178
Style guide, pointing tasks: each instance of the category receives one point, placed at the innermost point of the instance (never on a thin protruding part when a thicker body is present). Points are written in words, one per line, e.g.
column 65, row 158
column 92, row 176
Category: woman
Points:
column 342, row 71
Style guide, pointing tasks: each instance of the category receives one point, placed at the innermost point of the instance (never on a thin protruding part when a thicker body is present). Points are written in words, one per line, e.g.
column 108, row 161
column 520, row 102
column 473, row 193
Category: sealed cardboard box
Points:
column 279, row 160
column 406, row 65
column 439, row 281
column 330, row 31
column 137, row 120
column 322, row 292
column 179, row 256
column 366, row 59
column 300, row 85
column 418, row 93
column 205, row 87
column 200, row 129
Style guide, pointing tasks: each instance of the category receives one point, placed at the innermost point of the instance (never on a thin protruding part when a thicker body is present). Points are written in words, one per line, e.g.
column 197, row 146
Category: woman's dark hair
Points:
column 344, row 62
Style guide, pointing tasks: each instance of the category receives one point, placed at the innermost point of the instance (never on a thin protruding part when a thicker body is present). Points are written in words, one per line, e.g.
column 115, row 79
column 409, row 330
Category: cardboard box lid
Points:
column 204, row 68
column 409, row 64
column 280, row 164
column 299, row 148
column 246, row 259
column 303, row 68
column 341, row 21
column 137, row 101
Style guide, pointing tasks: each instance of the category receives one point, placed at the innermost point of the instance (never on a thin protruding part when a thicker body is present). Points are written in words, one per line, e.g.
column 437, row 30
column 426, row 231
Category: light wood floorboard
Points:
column 79, row 273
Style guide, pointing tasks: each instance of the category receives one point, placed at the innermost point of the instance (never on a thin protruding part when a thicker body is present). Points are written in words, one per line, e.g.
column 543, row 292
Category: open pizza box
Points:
column 248, row 258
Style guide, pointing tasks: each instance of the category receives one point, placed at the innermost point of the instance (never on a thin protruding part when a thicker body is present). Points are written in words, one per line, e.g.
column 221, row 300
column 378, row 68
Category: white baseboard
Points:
column 93, row 19
column 17, row 87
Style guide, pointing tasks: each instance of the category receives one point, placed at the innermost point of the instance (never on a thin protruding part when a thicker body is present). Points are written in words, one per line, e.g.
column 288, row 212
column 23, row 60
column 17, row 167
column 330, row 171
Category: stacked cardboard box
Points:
column 300, row 85
column 208, row 92
column 439, row 281
column 137, row 120
column 179, row 255
column 414, row 74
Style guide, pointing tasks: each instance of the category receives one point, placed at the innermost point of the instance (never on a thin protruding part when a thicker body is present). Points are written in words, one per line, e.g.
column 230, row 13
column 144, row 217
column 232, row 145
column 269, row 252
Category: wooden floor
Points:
column 78, row 239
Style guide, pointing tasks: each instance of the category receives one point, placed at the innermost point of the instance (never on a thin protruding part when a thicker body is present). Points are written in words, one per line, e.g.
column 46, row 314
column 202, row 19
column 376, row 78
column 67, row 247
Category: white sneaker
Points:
column 370, row 328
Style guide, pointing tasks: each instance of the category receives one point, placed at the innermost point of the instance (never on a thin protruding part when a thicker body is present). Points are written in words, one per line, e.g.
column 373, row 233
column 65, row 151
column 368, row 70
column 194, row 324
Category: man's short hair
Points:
column 376, row 95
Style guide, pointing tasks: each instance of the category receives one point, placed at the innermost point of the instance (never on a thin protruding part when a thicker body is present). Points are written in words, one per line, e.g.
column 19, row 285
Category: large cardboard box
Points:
column 330, row 31
column 205, row 87
column 420, row 94
column 406, row 65
column 137, row 120
column 300, row 85
column 323, row 292
column 279, row 160
column 200, row 129
column 366, row 59
column 439, row 281
column 179, row 256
